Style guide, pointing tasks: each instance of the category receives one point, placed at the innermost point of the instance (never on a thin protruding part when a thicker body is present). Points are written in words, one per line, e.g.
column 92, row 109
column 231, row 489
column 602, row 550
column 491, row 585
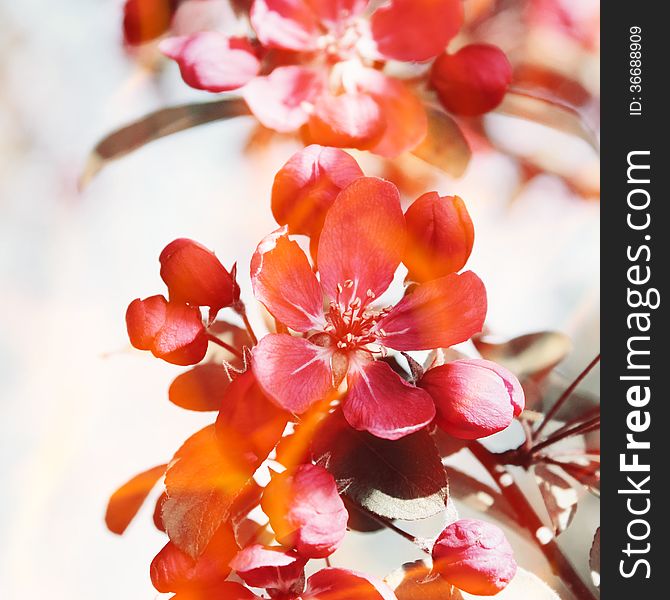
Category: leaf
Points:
column 525, row 585
column 401, row 479
column 202, row 482
column 414, row 581
column 585, row 469
column 444, row 146
column 549, row 112
column 201, row 388
column 559, row 496
column 128, row 499
column 594, row 559
column 156, row 125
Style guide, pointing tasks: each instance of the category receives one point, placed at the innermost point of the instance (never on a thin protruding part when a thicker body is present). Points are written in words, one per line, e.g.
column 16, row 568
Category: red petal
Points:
column 287, row 24
column 211, row 61
column 284, row 282
column 350, row 120
column 145, row 20
column 437, row 314
column 194, row 275
column 294, row 372
column 381, row 402
column 403, row 113
column 272, row 568
column 224, row 591
column 440, row 234
column 472, row 81
column 144, row 319
column 174, row 571
column 277, row 100
column 337, row 12
column 202, row 388
column 307, row 185
column 363, row 239
column 415, row 30
column 128, row 499
column 338, row 584
column 306, row 511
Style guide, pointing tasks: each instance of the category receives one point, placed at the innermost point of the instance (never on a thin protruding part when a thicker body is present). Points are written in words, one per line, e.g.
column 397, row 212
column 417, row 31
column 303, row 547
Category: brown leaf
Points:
column 445, row 146
column 156, row 125
column 559, row 495
column 201, row 388
column 414, row 581
column 594, row 559
column 128, row 499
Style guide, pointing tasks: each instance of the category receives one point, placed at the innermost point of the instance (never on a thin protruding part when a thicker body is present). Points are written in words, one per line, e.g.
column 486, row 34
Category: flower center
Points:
column 342, row 42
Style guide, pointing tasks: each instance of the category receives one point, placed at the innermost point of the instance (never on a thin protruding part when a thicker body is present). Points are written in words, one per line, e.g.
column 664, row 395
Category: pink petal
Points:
column 350, row 120
column 277, row 100
column 362, row 240
column 211, row 61
column 381, row 402
column 182, row 340
column 273, row 568
column 294, row 372
column 415, row 30
column 307, row 185
column 436, row 314
column 403, row 113
column 287, row 24
column 472, row 81
column 337, row 12
column 284, row 282
column 144, row 319
column 341, row 584
column 306, row 511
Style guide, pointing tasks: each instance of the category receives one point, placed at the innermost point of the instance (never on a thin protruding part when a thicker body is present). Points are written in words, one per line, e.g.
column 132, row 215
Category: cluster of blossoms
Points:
column 333, row 338
column 326, row 68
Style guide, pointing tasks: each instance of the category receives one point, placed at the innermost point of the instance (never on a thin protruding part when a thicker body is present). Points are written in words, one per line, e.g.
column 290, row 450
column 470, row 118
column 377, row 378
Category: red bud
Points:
column 440, row 236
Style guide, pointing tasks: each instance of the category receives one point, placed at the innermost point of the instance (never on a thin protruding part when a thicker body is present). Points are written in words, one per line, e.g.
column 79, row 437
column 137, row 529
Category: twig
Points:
column 584, row 427
column 218, row 342
column 242, row 311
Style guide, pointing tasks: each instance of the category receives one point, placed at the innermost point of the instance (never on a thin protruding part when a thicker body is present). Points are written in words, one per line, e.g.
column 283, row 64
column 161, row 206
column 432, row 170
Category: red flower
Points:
column 171, row 331
column 323, row 78
column 306, row 511
column 475, row 556
column 360, row 248
column 474, row 398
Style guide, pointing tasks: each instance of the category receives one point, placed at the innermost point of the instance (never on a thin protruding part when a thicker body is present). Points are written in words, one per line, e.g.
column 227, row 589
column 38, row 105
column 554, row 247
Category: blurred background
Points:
column 80, row 411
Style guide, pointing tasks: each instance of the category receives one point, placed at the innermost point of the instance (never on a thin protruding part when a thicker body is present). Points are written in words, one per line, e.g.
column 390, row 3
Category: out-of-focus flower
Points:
column 318, row 67
column 170, row 330
column 473, row 80
column 474, row 398
column 306, row 511
column 474, row 556
column 270, row 568
column 333, row 584
column 145, row 20
column 360, row 248
column 440, row 236
column 195, row 276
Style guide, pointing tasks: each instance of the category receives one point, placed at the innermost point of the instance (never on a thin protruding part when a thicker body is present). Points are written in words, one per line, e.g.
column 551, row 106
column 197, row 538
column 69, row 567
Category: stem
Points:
column 218, row 342
column 532, row 522
column 242, row 311
column 393, row 527
column 589, row 414
column 584, row 427
column 565, row 395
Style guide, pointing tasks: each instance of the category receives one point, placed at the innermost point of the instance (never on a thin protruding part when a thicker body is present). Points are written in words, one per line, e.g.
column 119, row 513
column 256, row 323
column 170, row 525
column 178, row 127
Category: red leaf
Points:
column 202, row 388
column 128, row 499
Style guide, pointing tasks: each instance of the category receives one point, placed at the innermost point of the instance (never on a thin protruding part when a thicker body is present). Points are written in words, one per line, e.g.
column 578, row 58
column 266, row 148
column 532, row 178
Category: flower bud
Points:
column 307, row 185
column 171, row 331
column 472, row 81
column 272, row 568
column 306, row 511
column 440, row 237
column 195, row 276
column 474, row 556
column 474, row 398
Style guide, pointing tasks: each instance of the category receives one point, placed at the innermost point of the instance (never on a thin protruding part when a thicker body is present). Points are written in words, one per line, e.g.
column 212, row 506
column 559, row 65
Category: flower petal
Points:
column 145, row 20
column 212, row 61
column 228, row 590
column 294, row 372
column 182, row 340
column 350, row 120
column 362, row 240
column 336, row 12
column 381, row 402
column 415, row 30
column 306, row 511
column 338, row 584
column 307, row 185
column 287, row 24
column 277, row 100
column 472, row 81
column 284, row 282
column 272, row 568
column 403, row 113
column 437, row 314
